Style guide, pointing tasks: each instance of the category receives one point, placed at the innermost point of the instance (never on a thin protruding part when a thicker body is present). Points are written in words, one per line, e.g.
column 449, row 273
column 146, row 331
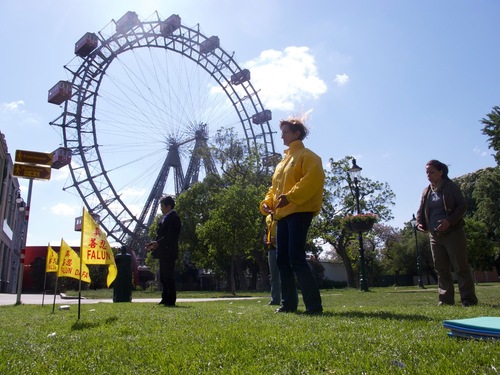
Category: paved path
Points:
column 36, row 299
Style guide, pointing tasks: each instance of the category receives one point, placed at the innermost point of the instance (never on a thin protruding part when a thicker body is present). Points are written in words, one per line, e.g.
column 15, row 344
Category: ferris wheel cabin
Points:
column 240, row 77
column 61, row 157
column 86, row 44
column 171, row 24
column 208, row 45
column 60, row 92
column 262, row 117
column 127, row 22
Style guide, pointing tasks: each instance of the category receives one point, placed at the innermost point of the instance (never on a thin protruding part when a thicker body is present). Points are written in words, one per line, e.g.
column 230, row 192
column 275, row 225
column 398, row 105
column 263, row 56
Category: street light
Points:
column 413, row 223
column 355, row 172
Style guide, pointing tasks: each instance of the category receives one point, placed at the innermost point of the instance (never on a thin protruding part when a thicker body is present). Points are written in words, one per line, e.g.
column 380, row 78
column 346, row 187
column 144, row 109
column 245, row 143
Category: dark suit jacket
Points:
column 167, row 236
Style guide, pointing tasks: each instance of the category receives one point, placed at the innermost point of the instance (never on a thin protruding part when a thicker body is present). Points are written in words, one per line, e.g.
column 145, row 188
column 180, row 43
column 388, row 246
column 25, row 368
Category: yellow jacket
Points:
column 271, row 231
column 301, row 178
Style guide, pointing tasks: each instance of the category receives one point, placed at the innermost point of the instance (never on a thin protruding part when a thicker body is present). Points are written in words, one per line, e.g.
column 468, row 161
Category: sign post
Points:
column 31, row 165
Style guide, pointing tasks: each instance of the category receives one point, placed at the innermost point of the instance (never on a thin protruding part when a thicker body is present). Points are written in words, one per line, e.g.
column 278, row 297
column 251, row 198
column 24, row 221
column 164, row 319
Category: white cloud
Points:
column 60, row 174
column 13, row 106
column 480, row 152
column 14, row 112
column 63, row 209
column 132, row 192
column 341, row 79
column 286, row 78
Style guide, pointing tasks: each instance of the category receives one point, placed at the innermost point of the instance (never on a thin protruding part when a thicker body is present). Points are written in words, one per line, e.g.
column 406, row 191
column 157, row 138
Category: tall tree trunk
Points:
column 231, row 273
column 241, row 274
column 341, row 251
column 339, row 244
column 261, row 261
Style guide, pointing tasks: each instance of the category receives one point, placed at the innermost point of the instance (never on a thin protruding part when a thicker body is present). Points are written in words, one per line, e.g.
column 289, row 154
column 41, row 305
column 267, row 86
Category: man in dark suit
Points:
column 165, row 247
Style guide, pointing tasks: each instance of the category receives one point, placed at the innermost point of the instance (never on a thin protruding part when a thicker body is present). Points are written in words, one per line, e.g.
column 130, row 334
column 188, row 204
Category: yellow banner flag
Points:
column 69, row 264
column 51, row 261
column 95, row 247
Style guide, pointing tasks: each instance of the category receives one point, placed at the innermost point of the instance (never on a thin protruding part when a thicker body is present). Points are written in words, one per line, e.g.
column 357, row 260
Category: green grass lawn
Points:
column 383, row 331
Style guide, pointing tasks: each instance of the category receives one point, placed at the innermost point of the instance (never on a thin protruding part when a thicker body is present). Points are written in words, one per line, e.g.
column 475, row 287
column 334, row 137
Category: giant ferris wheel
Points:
column 137, row 110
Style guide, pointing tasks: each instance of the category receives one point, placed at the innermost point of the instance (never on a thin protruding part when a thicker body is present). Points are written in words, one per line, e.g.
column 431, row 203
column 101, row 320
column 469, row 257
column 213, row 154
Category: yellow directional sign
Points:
column 33, row 157
column 36, row 172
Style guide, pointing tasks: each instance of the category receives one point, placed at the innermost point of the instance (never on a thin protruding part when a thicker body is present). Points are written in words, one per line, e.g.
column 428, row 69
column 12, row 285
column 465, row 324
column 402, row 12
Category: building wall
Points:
column 335, row 272
column 486, row 277
column 12, row 223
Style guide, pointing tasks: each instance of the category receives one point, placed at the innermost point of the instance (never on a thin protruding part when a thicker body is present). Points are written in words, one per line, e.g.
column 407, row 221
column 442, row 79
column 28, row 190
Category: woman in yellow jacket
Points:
column 294, row 198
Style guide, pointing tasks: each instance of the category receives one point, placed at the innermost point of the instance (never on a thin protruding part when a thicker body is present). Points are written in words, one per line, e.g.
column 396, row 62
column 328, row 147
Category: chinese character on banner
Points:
column 69, row 264
column 51, row 261
column 95, row 247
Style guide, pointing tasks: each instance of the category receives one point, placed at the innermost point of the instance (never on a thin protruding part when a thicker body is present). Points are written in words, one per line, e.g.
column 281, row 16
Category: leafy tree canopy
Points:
column 492, row 130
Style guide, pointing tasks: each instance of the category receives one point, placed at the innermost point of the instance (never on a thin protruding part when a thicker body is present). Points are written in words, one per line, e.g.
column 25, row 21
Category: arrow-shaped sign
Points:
column 36, row 172
column 33, row 157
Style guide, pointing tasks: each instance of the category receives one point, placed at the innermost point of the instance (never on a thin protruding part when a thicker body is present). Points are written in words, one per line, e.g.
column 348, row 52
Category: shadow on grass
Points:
column 379, row 315
column 79, row 325
column 177, row 306
column 492, row 305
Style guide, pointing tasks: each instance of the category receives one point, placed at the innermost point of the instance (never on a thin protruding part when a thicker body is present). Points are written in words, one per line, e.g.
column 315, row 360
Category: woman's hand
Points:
column 443, row 225
column 152, row 246
column 267, row 209
column 282, row 201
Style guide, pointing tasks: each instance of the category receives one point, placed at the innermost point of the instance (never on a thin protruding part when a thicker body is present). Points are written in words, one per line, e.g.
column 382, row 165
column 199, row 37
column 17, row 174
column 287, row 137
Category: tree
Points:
column 492, row 130
column 194, row 206
column 232, row 230
column 481, row 189
column 485, row 194
column 481, row 250
column 399, row 252
column 381, row 251
column 339, row 200
column 222, row 226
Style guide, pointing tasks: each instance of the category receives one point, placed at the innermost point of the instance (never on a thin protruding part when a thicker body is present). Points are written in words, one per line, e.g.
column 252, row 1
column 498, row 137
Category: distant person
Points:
column 165, row 247
column 441, row 212
column 294, row 198
column 270, row 241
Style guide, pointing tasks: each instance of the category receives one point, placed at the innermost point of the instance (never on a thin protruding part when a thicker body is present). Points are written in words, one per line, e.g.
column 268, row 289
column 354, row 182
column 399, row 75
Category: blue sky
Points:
column 393, row 83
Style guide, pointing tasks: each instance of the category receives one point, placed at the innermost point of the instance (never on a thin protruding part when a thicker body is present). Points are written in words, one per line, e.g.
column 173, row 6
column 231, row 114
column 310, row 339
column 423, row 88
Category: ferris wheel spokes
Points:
column 126, row 88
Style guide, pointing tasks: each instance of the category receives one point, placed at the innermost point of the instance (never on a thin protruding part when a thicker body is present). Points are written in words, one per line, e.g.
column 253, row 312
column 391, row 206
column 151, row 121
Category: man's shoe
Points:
column 274, row 303
column 316, row 311
column 283, row 309
column 442, row 303
column 468, row 304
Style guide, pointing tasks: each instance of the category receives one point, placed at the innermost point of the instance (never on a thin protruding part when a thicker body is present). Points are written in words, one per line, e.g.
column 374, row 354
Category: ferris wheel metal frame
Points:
column 78, row 119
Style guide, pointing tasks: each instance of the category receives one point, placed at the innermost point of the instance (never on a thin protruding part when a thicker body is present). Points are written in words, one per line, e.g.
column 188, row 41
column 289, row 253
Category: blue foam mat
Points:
column 481, row 327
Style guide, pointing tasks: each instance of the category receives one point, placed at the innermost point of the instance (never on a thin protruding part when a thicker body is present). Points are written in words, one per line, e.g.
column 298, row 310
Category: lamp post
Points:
column 413, row 223
column 21, row 206
column 355, row 172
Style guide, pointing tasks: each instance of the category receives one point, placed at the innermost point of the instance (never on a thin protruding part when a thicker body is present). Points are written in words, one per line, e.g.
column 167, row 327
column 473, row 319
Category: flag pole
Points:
column 55, row 293
column 44, row 286
column 81, row 260
column 57, row 275
column 45, row 277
